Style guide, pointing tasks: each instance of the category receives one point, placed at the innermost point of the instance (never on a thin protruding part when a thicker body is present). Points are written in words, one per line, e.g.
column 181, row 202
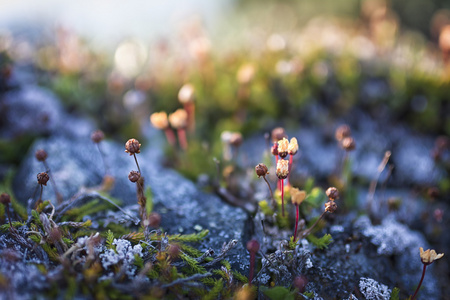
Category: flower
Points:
column 342, row 132
column 332, row 193
column 132, row 146
column 297, row 196
column 293, row 146
column 42, row 178
column 159, row 120
column 178, row 119
column 429, row 256
column 283, row 147
column 186, row 94
column 245, row 74
column 134, row 176
column 278, row 133
column 330, row 206
column 282, row 169
column 261, row 170
column 348, row 144
column 5, row 198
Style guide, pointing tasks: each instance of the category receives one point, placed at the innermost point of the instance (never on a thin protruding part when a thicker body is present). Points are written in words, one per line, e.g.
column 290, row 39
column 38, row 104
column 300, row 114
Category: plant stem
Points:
column 420, row 283
column 8, row 213
column 290, row 168
column 135, row 159
column 170, row 136
column 308, row 231
column 59, row 197
column 190, row 109
column 274, row 203
column 296, row 222
column 252, row 266
column 282, row 196
column 182, row 138
column 105, row 165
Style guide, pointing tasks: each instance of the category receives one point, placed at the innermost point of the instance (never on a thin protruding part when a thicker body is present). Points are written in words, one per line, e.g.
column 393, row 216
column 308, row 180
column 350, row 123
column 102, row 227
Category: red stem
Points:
column 182, row 138
column 282, row 196
column 252, row 266
column 190, row 109
column 290, row 168
column 170, row 136
column 420, row 283
column 296, row 222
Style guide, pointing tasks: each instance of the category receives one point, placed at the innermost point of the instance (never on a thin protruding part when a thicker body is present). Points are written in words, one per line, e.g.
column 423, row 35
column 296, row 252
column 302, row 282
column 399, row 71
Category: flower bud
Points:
column 41, row 155
column 186, row 94
column 274, row 149
column 293, row 146
column 330, row 206
column 97, row 136
column 297, row 196
column 282, row 169
column 154, row 219
column 134, row 176
column 283, row 146
column 132, row 146
column 159, row 120
column 348, row 144
column 332, row 193
column 253, row 246
column 5, row 198
column 342, row 132
column 236, row 139
column 178, row 119
column 278, row 134
column 261, row 170
column 42, row 178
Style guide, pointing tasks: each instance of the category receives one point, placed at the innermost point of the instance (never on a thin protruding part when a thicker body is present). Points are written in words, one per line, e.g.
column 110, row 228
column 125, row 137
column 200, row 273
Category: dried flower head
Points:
column 132, row 146
column 283, row 146
column 5, row 198
column 42, row 178
column 154, row 219
column 300, row 283
column 134, row 176
column 41, row 155
column 159, row 120
column 186, row 93
column 274, row 149
column 342, row 132
column 253, row 246
column 297, row 196
column 293, row 146
column 282, row 169
column 236, row 139
column 332, row 193
column 278, row 133
column 261, row 170
column 97, row 136
column 330, row 206
column 245, row 74
column 178, row 119
column 348, row 144
column 429, row 256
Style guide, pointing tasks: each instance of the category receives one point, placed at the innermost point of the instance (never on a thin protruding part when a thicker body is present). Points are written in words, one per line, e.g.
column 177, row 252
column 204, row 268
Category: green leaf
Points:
column 279, row 293
column 149, row 203
column 215, row 291
column 193, row 237
column 395, row 295
column 109, row 239
column 322, row 242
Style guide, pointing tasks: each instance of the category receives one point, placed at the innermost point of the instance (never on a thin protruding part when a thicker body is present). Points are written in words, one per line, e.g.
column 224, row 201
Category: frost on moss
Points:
column 124, row 253
column 372, row 290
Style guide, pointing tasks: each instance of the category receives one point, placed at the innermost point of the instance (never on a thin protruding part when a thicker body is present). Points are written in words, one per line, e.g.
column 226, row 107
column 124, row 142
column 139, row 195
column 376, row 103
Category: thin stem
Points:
column 190, row 109
column 282, row 196
column 274, row 203
column 170, row 136
column 135, row 159
column 252, row 266
column 308, row 231
column 59, row 197
column 296, row 222
column 182, row 138
column 105, row 165
column 289, row 168
column 9, row 216
column 373, row 184
column 420, row 283
column 39, row 201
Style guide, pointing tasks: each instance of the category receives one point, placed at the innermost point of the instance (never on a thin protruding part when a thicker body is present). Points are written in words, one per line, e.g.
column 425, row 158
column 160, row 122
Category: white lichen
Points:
column 372, row 290
column 124, row 253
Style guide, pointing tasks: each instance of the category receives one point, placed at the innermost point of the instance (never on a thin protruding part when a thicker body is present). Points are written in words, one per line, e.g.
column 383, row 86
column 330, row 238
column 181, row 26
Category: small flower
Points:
column 293, row 146
column 245, row 74
column 42, row 178
column 134, row 176
column 297, row 196
column 261, row 170
column 330, row 206
column 278, row 133
column 274, row 149
column 236, row 139
column 348, row 144
column 132, row 146
column 178, row 119
column 332, row 193
column 97, row 136
column 342, row 132
column 282, row 169
column 429, row 256
column 159, row 120
column 283, row 146
column 186, row 93
column 41, row 155
column 5, row 198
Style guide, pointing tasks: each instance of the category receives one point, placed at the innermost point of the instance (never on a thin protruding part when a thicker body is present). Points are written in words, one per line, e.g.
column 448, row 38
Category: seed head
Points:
column 253, row 246
column 429, row 256
column 236, row 139
column 159, row 120
column 282, row 169
column 300, row 283
column 5, row 198
column 154, row 219
column 332, row 193
column 283, row 146
column 97, row 136
column 293, row 146
column 132, row 146
column 178, row 119
column 348, row 144
column 261, row 170
column 174, row 251
column 186, row 94
column 54, row 235
column 342, row 132
column 278, row 134
column 330, row 206
column 297, row 196
column 42, row 178
column 134, row 176
column 41, row 155
column 274, row 149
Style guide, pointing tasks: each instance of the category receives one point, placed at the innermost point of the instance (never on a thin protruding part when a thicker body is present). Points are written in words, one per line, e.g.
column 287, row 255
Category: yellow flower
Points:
column 159, row 120
column 178, row 119
column 293, row 146
column 297, row 196
column 429, row 256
